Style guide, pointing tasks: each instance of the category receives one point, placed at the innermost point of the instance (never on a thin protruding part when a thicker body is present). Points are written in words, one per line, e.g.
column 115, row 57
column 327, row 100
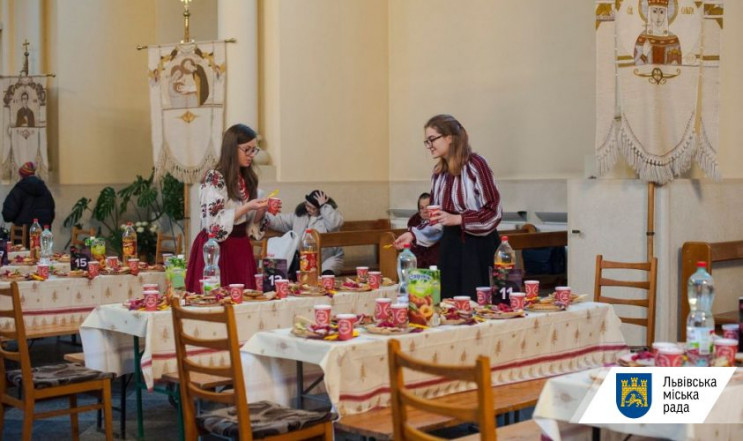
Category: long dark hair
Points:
column 301, row 210
column 459, row 150
column 229, row 164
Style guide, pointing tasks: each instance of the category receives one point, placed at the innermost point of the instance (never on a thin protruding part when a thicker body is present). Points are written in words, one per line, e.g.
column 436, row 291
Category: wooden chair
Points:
column 45, row 382
column 167, row 244
column 79, row 235
column 648, row 285
column 19, row 234
column 480, row 411
column 260, row 248
column 241, row 420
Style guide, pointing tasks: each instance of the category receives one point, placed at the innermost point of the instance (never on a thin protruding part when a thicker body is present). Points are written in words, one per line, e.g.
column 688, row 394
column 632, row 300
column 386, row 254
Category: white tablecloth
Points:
column 64, row 302
column 559, row 405
column 356, row 373
column 107, row 332
column 28, row 269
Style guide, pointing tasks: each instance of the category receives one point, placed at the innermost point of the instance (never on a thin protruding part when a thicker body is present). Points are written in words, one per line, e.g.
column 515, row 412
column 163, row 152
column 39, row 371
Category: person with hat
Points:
column 319, row 212
column 29, row 199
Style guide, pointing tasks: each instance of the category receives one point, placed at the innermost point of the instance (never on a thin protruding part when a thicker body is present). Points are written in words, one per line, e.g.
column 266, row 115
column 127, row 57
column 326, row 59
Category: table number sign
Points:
column 79, row 258
column 273, row 269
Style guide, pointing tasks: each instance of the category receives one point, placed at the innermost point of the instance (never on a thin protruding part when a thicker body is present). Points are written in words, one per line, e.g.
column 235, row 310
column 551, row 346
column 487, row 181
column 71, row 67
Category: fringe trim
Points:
column 167, row 163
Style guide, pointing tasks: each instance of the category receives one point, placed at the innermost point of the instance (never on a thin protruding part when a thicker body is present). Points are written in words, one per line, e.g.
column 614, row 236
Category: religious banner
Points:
column 24, row 125
column 187, row 84
column 658, row 68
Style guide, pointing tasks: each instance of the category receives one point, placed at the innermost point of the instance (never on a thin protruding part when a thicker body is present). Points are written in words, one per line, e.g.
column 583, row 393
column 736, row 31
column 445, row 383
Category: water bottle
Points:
column 47, row 245
column 700, row 325
column 129, row 242
column 211, row 261
column 34, row 240
column 308, row 258
column 406, row 262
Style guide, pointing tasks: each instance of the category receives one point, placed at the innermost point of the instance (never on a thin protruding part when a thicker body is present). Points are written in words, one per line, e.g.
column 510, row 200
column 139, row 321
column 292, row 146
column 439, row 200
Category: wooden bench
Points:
column 709, row 252
column 377, row 423
column 382, row 239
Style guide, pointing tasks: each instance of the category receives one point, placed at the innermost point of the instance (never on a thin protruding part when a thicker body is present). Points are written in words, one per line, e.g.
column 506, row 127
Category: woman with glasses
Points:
column 426, row 256
column 464, row 187
column 233, row 209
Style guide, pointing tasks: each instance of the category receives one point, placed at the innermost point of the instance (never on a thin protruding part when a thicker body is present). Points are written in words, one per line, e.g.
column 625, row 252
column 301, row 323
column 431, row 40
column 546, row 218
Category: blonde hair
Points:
column 459, row 149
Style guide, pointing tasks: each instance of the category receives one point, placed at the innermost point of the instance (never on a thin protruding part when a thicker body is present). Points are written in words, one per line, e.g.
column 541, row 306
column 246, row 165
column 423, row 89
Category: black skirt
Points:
column 465, row 261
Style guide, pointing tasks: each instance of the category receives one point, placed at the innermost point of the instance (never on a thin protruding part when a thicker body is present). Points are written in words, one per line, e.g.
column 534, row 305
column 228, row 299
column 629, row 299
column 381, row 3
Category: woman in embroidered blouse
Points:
column 464, row 186
column 231, row 208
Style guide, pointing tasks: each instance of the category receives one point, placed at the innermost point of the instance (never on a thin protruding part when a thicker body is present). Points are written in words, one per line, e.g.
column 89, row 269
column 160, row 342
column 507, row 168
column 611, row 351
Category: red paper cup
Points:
column 259, row 282
column 399, row 315
column 282, row 288
column 236, row 292
column 42, row 270
column 661, row 344
column 726, row 348
column 730, row 330
column 382, row 309
column 150, row 287
column 669, row 356
column 345, row 326
column 484, row 295
column 328, row 281
column 432, row 211
column 518, row 300
column 532, row 288
column 133, row 263
column 375, row 279
column 362, row 273
column 112, row 262
column 322, row 315
column 151, row 299
column 462, row 303
column 562, row 294
column 93, row 269
column 274, row 205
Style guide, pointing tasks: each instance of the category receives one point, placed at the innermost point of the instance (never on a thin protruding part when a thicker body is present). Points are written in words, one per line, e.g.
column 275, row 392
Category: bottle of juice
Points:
column 129, row 243
column 34, row 240
column 308, row 257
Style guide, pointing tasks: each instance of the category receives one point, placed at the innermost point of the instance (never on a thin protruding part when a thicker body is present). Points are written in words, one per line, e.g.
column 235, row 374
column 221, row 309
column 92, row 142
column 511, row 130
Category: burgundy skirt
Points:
column 236, row 261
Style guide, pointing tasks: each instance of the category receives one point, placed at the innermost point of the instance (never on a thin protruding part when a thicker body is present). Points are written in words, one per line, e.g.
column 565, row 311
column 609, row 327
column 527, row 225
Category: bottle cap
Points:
column 46, row 227
column 308, row 230
column 212, row 234
column 433, row 268
column 406, row 246
column 701, row 264
column 504, row 238
column 36, row 220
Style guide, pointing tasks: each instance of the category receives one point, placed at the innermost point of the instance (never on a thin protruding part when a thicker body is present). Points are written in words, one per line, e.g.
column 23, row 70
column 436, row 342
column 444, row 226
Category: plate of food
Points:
column 60, row 257
column 636, row 359
column 354, row 286
column 498, row 312
column 17, row 247
column 574, row 298
column 12, row 276
column 252, row 295
column 304, row 289
column 306, row 328
column 388, row 328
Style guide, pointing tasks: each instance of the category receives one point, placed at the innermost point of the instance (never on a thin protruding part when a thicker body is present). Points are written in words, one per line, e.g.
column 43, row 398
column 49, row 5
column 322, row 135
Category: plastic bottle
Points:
column 308, row 257
column 211, row 260
column 406, row 262
column 47, row 245
column 505, row 257
column 700, row 324
column 129, row 242
column 34, row 239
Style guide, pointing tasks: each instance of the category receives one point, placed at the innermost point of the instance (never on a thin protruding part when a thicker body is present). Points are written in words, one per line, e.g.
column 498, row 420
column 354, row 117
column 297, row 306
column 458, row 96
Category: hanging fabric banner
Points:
column 24, row 125
column 657, row 81
column 187, row 83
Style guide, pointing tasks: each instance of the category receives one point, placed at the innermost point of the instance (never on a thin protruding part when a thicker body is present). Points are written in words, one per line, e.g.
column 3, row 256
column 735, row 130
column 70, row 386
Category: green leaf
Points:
column 172, row 195
column 147, row 197
column 77, row 212
column 105, row 205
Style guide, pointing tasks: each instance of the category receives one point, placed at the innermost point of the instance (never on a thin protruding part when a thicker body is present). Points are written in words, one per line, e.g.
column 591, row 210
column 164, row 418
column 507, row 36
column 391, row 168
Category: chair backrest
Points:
column 21, row 356
column 168, row 244
column 649, row 285
column 187, row 365
column 260, row 249
column 18, row 234
column 79, row 235
column 482, row 412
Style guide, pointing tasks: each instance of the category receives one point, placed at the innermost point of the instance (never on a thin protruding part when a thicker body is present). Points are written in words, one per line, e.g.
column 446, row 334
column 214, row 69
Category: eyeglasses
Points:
column 429, row 142
column 250, row 151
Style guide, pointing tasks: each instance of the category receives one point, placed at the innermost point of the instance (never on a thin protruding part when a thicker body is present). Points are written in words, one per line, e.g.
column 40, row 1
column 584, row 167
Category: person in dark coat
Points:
column 29, row 199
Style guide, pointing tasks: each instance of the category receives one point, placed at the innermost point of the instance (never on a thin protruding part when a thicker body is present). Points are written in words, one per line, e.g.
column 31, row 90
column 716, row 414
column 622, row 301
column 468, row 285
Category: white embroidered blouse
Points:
column 218, row 210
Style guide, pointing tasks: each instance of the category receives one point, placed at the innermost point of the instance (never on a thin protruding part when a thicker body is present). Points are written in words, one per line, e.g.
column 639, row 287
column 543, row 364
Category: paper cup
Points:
column 562, row 294
column 399, row 313
column 375, row 279
column 274, row 205
column 93, row 269
column 362, row 273
column 669, row 356
column 328, row 281
column 382, row 309
column 532, row 288
column 151, row 299
column 42, row 270
column 726, row 348
column 259, row 282
column 484, row 295
column 133, row 263
column 730, row 330
column 236, row 292
column 462, row 303
column 322, row 315
column 433, row 210
column 150, row 287
column 282, row 288
column 345, row 326
column 112, row 262
column 518, row 300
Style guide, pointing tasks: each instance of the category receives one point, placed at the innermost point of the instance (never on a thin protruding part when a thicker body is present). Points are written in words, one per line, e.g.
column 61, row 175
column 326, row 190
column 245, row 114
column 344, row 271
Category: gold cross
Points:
column 26, row 43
